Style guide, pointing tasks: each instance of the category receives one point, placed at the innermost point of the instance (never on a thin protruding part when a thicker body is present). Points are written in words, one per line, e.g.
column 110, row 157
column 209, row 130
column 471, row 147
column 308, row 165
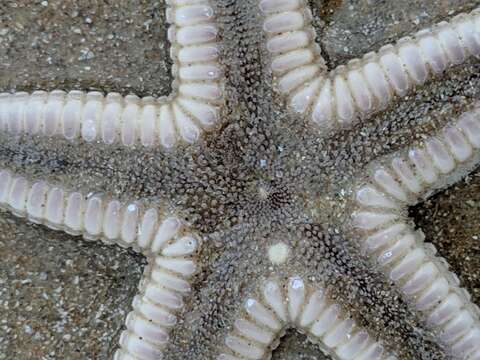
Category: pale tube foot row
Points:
column 398, row 249
column 161, row 238
column 94, row 216
column 306, row 308
column 162, row 291
column 348, row 93
column 191, row 108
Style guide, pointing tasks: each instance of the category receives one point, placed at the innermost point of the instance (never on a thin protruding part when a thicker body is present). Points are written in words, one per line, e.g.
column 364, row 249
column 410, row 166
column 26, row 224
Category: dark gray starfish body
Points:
column 273, row 210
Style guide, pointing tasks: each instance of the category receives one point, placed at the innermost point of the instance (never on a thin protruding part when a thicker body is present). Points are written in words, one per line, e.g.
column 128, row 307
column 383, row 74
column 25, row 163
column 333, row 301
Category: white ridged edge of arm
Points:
column 193, row 106
column 305, row 307
column 343, row 96
column 384, row 232
column 161, row 236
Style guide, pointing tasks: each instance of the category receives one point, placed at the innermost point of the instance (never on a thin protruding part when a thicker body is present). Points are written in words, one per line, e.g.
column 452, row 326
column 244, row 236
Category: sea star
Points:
column 255, row 220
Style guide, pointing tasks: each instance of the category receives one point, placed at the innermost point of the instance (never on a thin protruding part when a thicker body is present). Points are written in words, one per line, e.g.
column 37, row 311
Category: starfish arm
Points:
column 191, row 108
column 128, row 224
column 164, row 285
column 341, row 97
column 163, row 239
column 388, row 238
column 305, row 307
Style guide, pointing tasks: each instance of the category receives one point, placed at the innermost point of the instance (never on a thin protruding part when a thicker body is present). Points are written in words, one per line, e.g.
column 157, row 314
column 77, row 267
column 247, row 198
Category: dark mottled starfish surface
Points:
column 269, row 192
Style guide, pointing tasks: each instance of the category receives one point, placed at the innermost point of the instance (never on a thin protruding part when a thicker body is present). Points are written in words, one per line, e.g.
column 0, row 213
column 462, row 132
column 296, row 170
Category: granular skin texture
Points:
column 262, row 177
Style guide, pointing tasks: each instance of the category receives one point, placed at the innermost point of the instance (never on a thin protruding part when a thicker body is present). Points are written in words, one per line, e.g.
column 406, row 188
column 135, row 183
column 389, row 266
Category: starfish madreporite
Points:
column 266, row 192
